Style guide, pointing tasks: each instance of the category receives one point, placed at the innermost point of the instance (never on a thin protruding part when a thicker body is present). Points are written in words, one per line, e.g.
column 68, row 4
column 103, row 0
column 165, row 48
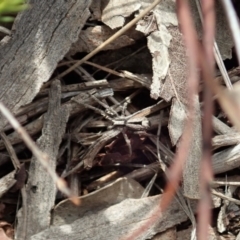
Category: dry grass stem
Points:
column 42, row 157
column 112, row 38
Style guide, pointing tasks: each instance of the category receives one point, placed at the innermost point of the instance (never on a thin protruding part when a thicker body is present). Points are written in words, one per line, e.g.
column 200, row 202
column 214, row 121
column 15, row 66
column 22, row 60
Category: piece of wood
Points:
column 220, row 127
column 41, row 36
column 177, row 120
column 226, row 160
column 92, row 37
column 78, row 87
column 74, row 108
column 223, row 161
column 226, row 140
column 93, row 150
column 114, row 12
column 123, row 188
column 117, row 221
column 41, row 189
column 7, row 182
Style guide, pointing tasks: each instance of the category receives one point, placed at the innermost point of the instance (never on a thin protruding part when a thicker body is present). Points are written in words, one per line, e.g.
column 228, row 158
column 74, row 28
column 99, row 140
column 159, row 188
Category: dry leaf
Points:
column 159, row 38
column 92, row 37
column 176, row 120
column 191, row 171
column 118, row 221
column 95, row 9
column 169, row 80
column 114, row 12
column 165, row 12
column 66, row 212
column 169, row 58
column 175, row 82
column 158, row 43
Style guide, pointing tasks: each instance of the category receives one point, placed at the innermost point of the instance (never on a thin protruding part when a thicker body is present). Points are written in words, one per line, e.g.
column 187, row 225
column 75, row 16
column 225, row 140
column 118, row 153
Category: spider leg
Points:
column 101, row 112
column 125, row 102
column 109, row 110
column 124, row 107
column 127, row 140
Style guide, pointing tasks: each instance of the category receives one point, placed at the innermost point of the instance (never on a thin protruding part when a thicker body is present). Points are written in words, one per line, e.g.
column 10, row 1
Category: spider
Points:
column 136, row 121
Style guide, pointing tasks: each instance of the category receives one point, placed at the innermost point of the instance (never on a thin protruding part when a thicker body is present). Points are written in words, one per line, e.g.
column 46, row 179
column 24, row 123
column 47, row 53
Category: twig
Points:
column 224, row 183
column 5, row 30
column 225, row 140
column 176, row 169
column 17, row 166
column 149, row 186
column 92, row 151
column 220, row 127
column 43, row 158
column 90, row 79
column 103, row 68
column 163, row 166
column 112, row 38
column 206, row 174
column 221, row 195
column 217, row 54
column 78, row 87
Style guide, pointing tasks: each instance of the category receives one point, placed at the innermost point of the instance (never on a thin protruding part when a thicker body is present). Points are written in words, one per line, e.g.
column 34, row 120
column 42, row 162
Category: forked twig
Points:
column 221, row 195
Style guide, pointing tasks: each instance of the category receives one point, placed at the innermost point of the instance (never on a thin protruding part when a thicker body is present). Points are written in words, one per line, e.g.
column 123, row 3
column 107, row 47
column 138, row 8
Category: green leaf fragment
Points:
column 11, row 6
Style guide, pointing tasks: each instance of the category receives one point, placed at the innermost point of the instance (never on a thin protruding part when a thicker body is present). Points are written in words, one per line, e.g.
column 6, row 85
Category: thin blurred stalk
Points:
column 206, row 175
column 202, row 57
column 190, row 38
column 217, row 54
column 234, row 25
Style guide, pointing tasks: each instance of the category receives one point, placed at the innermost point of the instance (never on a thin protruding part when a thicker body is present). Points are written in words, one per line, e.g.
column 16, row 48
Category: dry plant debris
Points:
column 102, row 87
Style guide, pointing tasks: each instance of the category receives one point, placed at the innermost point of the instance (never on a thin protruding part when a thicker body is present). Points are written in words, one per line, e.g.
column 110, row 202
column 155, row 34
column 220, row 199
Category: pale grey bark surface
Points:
column 42, row 35
column 191, row 171
column 41, row 189
column 7, row 182
column 118, row 221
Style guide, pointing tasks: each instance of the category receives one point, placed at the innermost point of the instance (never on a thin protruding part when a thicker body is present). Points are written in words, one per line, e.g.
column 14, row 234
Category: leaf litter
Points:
column 111, row 129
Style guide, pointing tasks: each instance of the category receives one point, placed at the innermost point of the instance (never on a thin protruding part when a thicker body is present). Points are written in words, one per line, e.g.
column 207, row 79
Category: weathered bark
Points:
column 118, row 221
column 41, row 189
column 42, row 35
column 7, row 182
